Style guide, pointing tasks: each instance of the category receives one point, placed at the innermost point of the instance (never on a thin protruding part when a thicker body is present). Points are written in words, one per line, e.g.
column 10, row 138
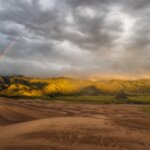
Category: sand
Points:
column 37, row 125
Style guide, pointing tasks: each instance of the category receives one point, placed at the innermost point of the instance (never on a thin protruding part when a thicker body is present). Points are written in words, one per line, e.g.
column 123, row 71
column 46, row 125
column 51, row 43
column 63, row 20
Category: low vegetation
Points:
column 103, row 99
column 146, row 109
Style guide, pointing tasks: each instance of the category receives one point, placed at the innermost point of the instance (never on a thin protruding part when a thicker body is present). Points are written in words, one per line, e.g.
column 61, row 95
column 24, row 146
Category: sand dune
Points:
column 30, row 125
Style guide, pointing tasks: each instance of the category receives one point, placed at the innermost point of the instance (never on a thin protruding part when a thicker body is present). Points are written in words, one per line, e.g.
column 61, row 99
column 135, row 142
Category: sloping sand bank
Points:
column 30, row 125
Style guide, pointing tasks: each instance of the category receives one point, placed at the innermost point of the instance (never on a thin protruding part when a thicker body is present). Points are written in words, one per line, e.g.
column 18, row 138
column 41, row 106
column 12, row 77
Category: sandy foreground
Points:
column 30, row 125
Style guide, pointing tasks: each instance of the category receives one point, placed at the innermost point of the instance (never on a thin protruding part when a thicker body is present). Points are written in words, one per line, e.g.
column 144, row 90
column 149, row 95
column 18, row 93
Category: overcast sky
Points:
column 83, row 38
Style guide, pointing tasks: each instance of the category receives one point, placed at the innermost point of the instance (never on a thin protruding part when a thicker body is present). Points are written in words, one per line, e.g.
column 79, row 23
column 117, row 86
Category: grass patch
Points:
column 146, row 109
column 90, row 99
column 103, row 99
column 139, row 100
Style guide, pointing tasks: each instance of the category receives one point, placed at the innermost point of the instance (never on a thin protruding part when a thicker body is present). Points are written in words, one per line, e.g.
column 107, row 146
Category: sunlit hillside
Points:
column 23, row 86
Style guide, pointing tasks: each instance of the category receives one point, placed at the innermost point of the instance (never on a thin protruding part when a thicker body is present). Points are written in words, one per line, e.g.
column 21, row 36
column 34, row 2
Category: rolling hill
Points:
column 30, row 87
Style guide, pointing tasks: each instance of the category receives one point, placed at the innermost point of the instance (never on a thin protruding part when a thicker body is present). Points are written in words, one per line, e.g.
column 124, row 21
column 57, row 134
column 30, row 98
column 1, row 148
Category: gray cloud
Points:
column 75, row 37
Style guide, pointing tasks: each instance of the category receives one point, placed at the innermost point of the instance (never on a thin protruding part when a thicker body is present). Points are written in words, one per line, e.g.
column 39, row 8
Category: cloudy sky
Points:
column 83, row 38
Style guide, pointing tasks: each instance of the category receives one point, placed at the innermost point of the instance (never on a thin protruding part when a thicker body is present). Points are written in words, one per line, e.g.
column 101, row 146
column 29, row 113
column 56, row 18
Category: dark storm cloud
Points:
column 61, row 37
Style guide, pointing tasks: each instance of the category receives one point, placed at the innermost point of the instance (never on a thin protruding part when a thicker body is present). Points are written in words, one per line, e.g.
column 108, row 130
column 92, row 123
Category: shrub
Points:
column 121, row 95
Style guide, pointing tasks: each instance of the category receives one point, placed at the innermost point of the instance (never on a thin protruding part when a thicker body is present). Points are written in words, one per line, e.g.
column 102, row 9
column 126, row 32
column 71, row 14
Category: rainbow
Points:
column 9, row 47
